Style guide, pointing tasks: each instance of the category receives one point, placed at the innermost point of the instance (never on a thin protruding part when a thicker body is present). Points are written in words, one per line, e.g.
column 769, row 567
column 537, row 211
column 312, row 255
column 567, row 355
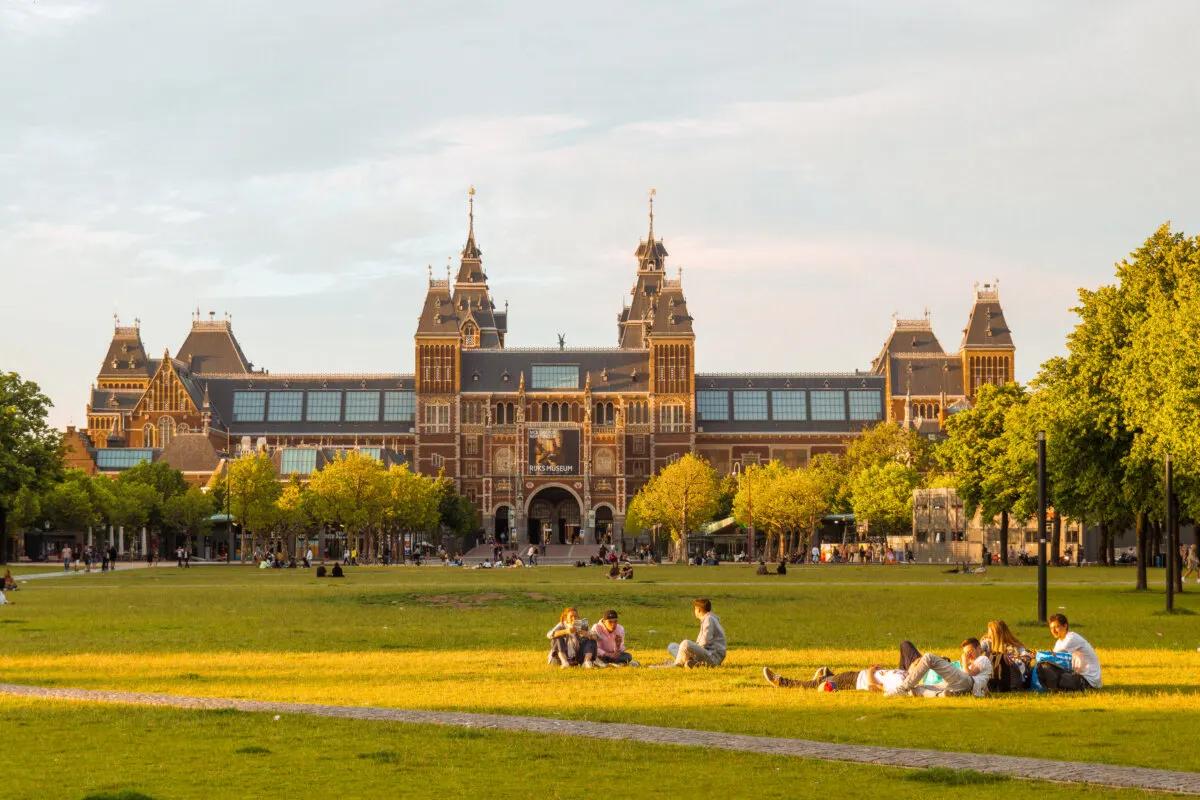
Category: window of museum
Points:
column 639, row 445
column 712, row 405
column 362, row 406
column 555, row 376
column 438, row 460
column 472, row 445
column 788, row 405
column 324, row 407
column 828, row 405
column 398, row 406
column 249, row 406
column 472, row 469
column 671, row 418
column 749, row 406
column 285, row 407
column 436, row 418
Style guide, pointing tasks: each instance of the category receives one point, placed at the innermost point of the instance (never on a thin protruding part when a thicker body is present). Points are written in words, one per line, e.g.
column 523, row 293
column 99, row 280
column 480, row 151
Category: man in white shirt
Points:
column 709, row 648
column 1085, row 664
column 971, row 678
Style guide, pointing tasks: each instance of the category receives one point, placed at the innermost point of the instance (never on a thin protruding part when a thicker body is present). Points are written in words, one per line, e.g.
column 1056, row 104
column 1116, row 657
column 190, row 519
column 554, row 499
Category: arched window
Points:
column 183, row 428
column 545, row 412
column 166, row 429
column 148, row 435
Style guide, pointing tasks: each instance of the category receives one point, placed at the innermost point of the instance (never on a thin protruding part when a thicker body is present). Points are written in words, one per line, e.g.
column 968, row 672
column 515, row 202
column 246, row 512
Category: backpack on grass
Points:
column 1008, row 675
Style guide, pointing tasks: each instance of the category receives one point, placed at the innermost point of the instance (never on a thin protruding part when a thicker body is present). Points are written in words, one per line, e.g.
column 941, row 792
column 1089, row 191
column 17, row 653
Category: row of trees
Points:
column 874, row 480
column 1126, row 395
column 353, row 493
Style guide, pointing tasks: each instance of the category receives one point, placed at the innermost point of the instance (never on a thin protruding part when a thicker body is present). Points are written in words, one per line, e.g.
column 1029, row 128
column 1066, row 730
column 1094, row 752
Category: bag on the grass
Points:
column 1008, row 675
column 1062, row 660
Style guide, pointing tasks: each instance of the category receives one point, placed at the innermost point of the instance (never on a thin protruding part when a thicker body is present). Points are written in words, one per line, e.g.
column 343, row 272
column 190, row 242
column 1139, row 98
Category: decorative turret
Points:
column 125, row 364
column 988, row 354
column 478, row 323
column 658, row 306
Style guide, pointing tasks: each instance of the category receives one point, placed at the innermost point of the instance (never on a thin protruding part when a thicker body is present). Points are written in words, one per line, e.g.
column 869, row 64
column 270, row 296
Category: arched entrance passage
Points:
column 553, row 515
column 604, row 523
column 503, row 524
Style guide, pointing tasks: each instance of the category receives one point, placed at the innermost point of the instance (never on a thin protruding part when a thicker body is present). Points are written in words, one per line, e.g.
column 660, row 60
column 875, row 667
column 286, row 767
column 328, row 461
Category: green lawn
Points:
column 69, row 750
column 442, row 638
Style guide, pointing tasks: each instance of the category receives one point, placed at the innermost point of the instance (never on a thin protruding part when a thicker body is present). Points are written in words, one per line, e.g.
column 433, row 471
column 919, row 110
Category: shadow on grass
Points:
column 253, row 750
column 123, row 794
column 381, row 756
column 953, row 777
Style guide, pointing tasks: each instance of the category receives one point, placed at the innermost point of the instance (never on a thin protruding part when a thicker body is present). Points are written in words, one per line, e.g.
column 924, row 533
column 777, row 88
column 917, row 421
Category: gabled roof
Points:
column 126, row 357
column 608, row 370
column 114, row 400
column 211, row 347
column 190, row 452
column 986, row 326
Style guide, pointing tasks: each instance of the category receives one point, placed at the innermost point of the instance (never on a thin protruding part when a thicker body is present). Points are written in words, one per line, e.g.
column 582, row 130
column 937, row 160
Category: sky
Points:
column 819, row 168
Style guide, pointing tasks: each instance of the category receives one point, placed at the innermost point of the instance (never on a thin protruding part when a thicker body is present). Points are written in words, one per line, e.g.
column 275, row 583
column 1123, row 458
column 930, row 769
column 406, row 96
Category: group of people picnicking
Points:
column 997, row 662
column 575, row 643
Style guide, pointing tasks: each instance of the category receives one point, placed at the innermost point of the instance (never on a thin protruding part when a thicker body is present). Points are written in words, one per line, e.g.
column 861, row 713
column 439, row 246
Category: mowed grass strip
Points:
column 1117, row 725
column 437, row 638
column 76, row 750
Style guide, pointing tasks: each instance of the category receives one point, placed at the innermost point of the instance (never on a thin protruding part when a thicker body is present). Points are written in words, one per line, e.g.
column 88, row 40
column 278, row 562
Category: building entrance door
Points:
column 554, row 516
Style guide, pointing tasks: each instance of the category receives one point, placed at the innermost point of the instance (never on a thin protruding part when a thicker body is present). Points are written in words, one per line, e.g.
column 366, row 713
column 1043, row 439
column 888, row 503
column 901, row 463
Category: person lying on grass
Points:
column 609, row 636
column 1085, row 664
column 571, row 643
column 709, row 648
column 908, row 679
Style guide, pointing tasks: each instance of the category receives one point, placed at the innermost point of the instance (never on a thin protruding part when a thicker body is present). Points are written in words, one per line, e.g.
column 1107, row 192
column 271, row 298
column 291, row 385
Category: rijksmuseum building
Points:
column 550, row 443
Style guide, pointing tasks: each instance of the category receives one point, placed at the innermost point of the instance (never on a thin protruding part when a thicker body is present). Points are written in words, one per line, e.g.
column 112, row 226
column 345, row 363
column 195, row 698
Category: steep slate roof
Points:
column 114, row 400
column 126, row 357
column 907, row 336
column 658, row 306
column 472, row 298
column 926, row 375
column 438, row 314
column 986, row 326
column 210, row 346
column 609, row 370
column 190, row 452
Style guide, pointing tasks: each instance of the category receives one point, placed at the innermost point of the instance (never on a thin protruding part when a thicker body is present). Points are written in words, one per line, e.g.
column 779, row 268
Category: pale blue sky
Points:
column 819, row 166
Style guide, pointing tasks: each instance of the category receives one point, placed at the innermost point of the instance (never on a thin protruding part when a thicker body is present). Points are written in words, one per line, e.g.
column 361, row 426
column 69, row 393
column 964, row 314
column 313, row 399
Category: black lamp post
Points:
column 1169, row 490
column 1041, row 480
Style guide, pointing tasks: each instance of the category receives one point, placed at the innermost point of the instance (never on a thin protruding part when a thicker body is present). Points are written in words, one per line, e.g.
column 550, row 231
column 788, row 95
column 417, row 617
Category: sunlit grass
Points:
column 473, row 640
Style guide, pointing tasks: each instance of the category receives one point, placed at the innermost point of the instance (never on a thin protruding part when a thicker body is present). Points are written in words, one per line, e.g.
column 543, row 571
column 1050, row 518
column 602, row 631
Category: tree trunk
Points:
column 4, row 537
column 1112, row 548
column 1104, row 543
column 1175, row 554
column 1004, row 538
column 1141, row 548
column 1056, row 540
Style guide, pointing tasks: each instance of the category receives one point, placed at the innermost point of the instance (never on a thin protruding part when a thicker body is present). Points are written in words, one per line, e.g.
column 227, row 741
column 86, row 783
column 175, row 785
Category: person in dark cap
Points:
column 610, row 641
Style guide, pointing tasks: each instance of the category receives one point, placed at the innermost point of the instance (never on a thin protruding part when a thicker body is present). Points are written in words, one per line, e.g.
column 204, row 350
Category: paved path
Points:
column 63, row 573
column 1012, row 766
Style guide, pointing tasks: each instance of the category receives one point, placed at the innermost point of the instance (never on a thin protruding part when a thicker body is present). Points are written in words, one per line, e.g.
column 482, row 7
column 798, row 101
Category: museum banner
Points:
column 553, row 451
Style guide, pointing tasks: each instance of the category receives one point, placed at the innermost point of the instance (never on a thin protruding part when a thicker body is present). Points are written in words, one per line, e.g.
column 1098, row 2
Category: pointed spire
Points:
column 650, row 238
column 470, row 249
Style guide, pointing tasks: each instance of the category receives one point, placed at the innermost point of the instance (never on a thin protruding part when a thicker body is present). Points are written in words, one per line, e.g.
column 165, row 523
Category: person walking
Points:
column 66, row 558
column 112, row 557
column 1192, row 563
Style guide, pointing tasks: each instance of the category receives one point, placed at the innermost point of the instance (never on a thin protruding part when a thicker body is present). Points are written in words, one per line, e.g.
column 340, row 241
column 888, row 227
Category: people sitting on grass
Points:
column 709, row 648
column 614, row 573
column 762, row 568
column 571, row 643
column 626, row 572
column 337, row 571
column 609, row 636
column 1011, row 659
column 1085, row 664
column 321, row 571
column 781, row 569
column 10, row 585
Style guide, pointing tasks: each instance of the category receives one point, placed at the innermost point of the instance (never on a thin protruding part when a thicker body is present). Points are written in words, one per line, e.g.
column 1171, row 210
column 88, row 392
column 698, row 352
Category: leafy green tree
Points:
column 133, row 504
column 972, row 450
column 189, row 513
column 681, row 497
column 30, row 450
column 883, row 497
column 67, row 507
column 351, row 492
column 253, row 486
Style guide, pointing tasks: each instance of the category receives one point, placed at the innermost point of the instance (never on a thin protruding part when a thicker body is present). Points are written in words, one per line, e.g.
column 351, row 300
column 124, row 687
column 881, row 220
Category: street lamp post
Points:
column 739, row 472
column 1169, row 480
column 1041, row 477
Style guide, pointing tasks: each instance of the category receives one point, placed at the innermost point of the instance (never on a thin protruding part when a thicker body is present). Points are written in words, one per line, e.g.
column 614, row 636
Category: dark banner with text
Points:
column 553, row 451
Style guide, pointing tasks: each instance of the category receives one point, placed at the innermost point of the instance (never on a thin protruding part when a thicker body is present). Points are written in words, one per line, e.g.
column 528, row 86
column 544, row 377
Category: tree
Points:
column 30, row 450
column 67, row 506
column 133, row 504
column 190, row 513
column 351, row 492
column 883, row 497
column 293, row 511
column 972, row 449
column 252, row 486
column 681, row 497
column 415, row 502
